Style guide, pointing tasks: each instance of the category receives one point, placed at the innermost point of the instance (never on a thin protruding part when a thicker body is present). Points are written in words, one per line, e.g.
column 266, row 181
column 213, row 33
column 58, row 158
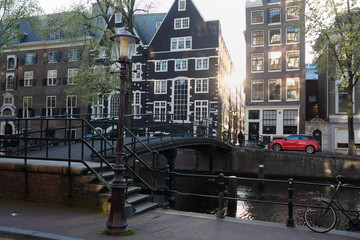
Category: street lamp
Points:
column 117, row 224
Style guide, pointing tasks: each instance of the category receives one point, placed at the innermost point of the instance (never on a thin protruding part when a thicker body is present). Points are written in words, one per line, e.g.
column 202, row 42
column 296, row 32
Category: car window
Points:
column 306, row 138
column 293, row 137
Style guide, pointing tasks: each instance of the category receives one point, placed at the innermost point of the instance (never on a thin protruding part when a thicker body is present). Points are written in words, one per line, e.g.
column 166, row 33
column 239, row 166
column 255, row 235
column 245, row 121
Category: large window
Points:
column 11, row 62
column 290, row 121
column 182, row 5
column 275, row 61
column 292, row 13
column 202, row 85
column 181, row 44
column 275, row 36
column 72, row 74
column 269, row 122
column 28, row 78
column 73, row 55
column 181, row 23
column 341, row 97
column 257, row 38
column 114, row 105
column 180, row 96
column 292, row 35
column 10, row 82
column 201, row 63
column 136, row 71
column 292, row 89
column 181, row 65
column 54, row 57
column 30, row 58
column 257, row 17
column 160, row 111
column 257, row 90
column 274, row 15
column 71, row 104
column 254, row 114
column 50, row 106
column 274, row 89
column 136, row 103
column 160, row 87
column 98, row 107
column 27, row 107
column 257, row 62
column 201, row 110
column 161, row 66
column 292, row 60
column 52, row 76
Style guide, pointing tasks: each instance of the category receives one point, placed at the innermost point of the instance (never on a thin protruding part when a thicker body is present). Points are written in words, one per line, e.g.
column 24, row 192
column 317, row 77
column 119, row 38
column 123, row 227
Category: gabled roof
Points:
column 145, row 25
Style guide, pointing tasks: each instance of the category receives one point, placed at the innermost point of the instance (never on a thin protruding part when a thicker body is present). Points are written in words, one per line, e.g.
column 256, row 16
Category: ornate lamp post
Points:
column 117, row 224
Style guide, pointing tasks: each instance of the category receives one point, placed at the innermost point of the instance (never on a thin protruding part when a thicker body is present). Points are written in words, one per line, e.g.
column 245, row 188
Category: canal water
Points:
column 255, row 193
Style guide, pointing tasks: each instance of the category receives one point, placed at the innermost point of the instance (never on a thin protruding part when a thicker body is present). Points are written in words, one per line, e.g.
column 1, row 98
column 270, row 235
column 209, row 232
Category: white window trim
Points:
column 48, row 79
column 270, row 61
column 286, row 15
column 177, row 44
column 293, row 100
column 27, row 80
column 278, row 79
column 271, row 44
column 116, row 18
column 252, row 90
column 182, row 69
column 75, row 52
column 162, row 118
column 287, row 37
column 50, row 107
column 160, row 62
column 202, row 85
column 252, row 38
column 252, row 23
column 294, row 69
column 7, row 62
column 182, row 23
column 337, row 83
column 71, row 108
column 273, row 3
column 263, row 65
column 135, row 74
column 160, row 82
column 6, row 81
column 202, row 63
column 26, row 112
column 69, row 75
column 201, row 108
column 179, row 5
column 137, row 105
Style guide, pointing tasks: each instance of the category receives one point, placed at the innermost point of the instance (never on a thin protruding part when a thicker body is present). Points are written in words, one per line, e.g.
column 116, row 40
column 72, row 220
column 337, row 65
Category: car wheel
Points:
column 277, row 147
column 310, row 149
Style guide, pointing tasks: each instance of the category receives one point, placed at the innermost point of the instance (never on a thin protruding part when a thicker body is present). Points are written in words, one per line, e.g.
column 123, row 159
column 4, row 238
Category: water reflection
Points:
column 274, row 192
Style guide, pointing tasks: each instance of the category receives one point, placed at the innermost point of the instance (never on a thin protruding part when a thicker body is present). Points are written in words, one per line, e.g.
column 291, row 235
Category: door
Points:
column 317, row 135
column 253, row 131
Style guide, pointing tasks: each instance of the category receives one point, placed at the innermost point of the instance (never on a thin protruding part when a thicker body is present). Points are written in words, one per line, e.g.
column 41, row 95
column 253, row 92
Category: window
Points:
column 136, row 102
column 98, row 107
column 312, row 99
column 341, row 97
column 72, row 74
column 275, row 36
column 181, row 23
column 118, row 18
column 292, row 89
column 254, row 114
column 11, row 62
column 182, row 5
column 28, row 78
column 157, row 24
column 181, row 98
column 102, row 52
column 275, row 61
column 269, row 122
column 50, row 105
column 160, row 87
column 257, row 38
column 274, row 90
column 290, row 121
column 73, row 55
column 202, row 85
column 292, row 35
column 27, row 107
column 136, row 71
column 54, row 57
column 10, row 82
column 292, row 60
column 181, row 65
column 30, row 58
column 257, row 17
column 114, row 105
column 201, row 63
column 257, row 90
column 274, row 15
column 161, row 66
column 257, row 62
column 52, row 77
column 71, row 104
column 181, row 44
column 160, row 111
column 201, row 110
column 273, row 1
column 292, row 13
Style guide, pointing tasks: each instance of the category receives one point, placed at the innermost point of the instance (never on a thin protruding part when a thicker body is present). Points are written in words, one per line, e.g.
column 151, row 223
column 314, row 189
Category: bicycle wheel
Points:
column 320, row 217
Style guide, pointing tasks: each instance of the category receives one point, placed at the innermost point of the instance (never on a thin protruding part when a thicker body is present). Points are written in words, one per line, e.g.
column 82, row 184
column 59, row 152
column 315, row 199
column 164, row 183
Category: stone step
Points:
column 144, row 206
column 136, row 198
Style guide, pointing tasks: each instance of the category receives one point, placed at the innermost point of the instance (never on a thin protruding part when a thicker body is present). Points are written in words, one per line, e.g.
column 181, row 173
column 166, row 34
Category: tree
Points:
column 12, row 12
column 335, row 27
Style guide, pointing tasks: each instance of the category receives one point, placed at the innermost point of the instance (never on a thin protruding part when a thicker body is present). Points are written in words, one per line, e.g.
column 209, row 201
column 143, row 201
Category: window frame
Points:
column 160, row 87
column 270, row 61
column 269, row 90
column 253, row 60
column 201, row 85
column 296, row 120
column 136, row 104
column 71, row 74
column 287, row 35
column 253, row 37
column 261, row 99
column 51, row 81
column 27, row 105
column 182, row 5
column 337, row 93
column 201, row 107
column 269, row 37
column 136, row 76
column 28, row 78
column 288, row 59
column 252, row 17
column 201, row 62
column 10, row 83
column 183, row 64
column 71, row 99
column 160, row 116
column 287, row 89
column 116, row 18
column 182, row 22
column 50, row 109
column 73, row 55
column 274, row 23
column 30, row 58
column 159, row 66
column 287, row 11
column 177, row 41
column 268, row 121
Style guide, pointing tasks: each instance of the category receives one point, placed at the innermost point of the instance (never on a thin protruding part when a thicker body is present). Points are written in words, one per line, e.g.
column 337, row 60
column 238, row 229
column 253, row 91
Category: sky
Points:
column 231, row 14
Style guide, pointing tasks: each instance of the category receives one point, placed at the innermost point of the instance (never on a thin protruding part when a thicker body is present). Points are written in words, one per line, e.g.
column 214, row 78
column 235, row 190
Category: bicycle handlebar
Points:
column 340, row 178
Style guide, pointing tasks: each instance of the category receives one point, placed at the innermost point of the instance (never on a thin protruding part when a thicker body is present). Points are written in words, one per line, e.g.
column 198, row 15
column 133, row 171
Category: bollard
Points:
column 220, row 212
column 232, row 193
column 290, row 220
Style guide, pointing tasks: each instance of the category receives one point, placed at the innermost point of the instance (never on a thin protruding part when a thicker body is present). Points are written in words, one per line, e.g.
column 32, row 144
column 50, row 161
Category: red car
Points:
column 296, row 142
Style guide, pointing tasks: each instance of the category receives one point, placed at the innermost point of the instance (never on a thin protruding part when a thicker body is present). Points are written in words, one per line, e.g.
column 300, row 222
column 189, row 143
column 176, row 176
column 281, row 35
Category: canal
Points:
column 253, row 193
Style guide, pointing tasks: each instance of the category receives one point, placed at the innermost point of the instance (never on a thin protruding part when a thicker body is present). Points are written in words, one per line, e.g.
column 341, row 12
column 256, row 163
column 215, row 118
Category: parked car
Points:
column 296, row 142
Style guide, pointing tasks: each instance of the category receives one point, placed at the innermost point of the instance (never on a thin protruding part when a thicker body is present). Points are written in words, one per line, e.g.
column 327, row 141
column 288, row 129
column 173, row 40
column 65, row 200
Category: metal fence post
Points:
column 290, row 220
column 220, row 212
column 167, row 182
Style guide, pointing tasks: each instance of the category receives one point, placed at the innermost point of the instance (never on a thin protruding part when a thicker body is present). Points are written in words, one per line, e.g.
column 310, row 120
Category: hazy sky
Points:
column 231, row 14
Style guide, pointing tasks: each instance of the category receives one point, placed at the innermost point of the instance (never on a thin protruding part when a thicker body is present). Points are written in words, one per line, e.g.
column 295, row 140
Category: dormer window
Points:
column 182, row 5
column 118, row 18
column 11, row 62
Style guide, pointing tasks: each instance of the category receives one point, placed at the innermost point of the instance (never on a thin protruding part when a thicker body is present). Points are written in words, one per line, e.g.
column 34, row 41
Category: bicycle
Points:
column 320, row 216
